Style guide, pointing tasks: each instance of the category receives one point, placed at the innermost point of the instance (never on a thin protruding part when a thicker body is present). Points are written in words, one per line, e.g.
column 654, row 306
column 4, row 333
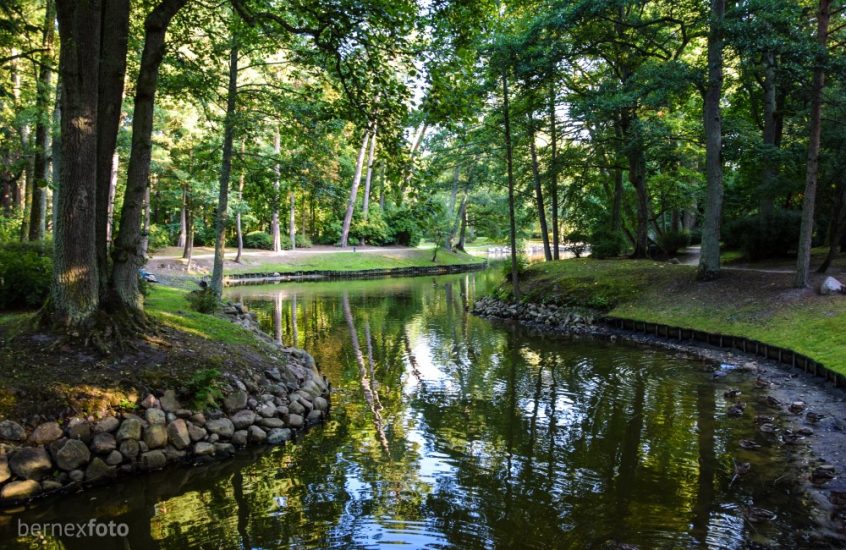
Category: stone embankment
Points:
column 549, row 316
column 257, row 408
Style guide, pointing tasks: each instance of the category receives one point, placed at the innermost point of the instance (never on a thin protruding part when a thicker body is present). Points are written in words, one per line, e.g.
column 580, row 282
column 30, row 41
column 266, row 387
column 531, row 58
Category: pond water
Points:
column 448, row 430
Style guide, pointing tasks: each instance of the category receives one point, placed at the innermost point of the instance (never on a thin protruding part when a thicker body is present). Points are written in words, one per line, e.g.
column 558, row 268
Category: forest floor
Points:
column 43, row 377
column 169, row 266
column 749, row 300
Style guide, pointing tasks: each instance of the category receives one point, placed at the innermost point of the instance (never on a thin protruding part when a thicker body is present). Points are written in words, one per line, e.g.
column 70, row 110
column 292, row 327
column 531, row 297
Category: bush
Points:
column 764, row 237
column 158, row 237
column 206, row 387
column 577, row 242
column 26, row 270
column 302, row 241
column 605, row 243
column 258, row 239
column 202, row 300
column 373, row 231
column 406, row 230
column 330, row 233
column 672, row 240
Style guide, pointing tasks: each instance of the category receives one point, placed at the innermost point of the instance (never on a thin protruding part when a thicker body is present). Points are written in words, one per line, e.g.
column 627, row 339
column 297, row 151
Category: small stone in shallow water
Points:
column 30, row 462
column 153, row 460
column 278, row 435
column 98, row 469
column 256, row 435
column 203, row 449
column 20, row 489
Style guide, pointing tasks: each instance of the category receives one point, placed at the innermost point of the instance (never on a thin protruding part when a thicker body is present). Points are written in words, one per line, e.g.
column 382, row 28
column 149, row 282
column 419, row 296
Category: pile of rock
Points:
column 549, row 316
column 264, row 408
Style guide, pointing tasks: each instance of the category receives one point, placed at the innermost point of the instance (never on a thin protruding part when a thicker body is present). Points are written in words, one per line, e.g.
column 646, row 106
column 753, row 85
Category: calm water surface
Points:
column 451, row 431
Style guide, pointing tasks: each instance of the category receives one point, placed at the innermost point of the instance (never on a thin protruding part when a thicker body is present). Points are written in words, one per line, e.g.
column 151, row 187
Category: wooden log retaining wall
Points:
column 323, row 275
column 739, row 343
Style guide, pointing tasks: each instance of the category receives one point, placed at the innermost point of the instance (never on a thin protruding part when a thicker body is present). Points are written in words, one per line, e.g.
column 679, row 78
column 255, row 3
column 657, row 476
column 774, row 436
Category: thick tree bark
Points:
column 74, row 291
column 127, row 254
column 803, row 257
column 56, row 148
column 277, row 169
column 553, row 173
column 114, row 40
column 225, row 172
column 188, row 248
column 345, row 231
column 515, row 282
column 463, row 231
column 547, row 253
column 365, row 206
column 145, row 227
column 42, row 126
column 617, row 201
column 709, row 260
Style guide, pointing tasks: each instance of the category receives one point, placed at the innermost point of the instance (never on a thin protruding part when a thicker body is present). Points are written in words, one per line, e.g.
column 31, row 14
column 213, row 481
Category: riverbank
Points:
column 316, row 262
column 195, row 389
column 753, row 304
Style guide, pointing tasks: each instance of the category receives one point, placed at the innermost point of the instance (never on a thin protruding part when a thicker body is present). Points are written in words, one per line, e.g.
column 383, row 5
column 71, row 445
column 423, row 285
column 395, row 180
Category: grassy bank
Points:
column 353, row 261
column 752, row 304
column 42, row 374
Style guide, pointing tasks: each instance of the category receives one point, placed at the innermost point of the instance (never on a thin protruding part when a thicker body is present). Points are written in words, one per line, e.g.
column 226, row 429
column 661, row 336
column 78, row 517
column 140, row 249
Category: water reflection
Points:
column 448, row 431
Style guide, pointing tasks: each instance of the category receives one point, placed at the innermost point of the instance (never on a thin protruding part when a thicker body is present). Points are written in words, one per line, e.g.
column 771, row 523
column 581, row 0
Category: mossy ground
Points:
column 754, row 304
column 41, row 374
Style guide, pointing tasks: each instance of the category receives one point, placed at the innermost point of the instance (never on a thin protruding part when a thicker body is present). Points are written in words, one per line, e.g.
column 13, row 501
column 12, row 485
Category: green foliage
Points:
column 158, row 237
column 259, row 239
column 206, row 388
column 522, row 265
column 605, row 243
column 764, row 237
column 302, row 241
column 672, row 240
column 577, row 242
column 404, row 226
column 25, row 274
column 373, row 231
column 203, row 300
column 10, row 227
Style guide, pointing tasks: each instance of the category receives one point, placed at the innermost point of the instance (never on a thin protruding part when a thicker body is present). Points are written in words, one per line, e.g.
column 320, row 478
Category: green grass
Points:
column 168, row 306
column 750, row 304
column 354, row 261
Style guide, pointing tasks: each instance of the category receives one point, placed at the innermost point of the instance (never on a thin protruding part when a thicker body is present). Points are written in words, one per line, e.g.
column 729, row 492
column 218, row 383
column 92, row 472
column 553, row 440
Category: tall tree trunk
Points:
column 836, row 228
column 382, row 186
column 110, row 217
column 42, row 126
column 408, row 171
column 225, row 171
column 803, row 257
column 292, row 220
column 239, row 235
column 277, row 169
column 27, row 183
column 183, row 218
column 74, row 290
column 56, row 148
column 547, row 253
column 515, row 282
column 553, row 172
column 114, row 40
column 188, row 248
column 345, row 232
column 127, row 253
column 617, row 202
column 463, row 231
column 709, row 260
column 365, row 206
column 769, row 171
column 145, row 227
column 637, row 177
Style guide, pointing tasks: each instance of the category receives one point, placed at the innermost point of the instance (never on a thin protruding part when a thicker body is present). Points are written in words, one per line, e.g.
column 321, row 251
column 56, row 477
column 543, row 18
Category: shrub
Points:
column 330, row 233
column 764, row 237
column 258, row 239
column 158, row 237
column 202, row 300
column 302, row 241
column 605, row 243
column 577, row 242
column 373, row 231
column 205, row 386
column 406, row 230
column 672, row 240
column 25, row 273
